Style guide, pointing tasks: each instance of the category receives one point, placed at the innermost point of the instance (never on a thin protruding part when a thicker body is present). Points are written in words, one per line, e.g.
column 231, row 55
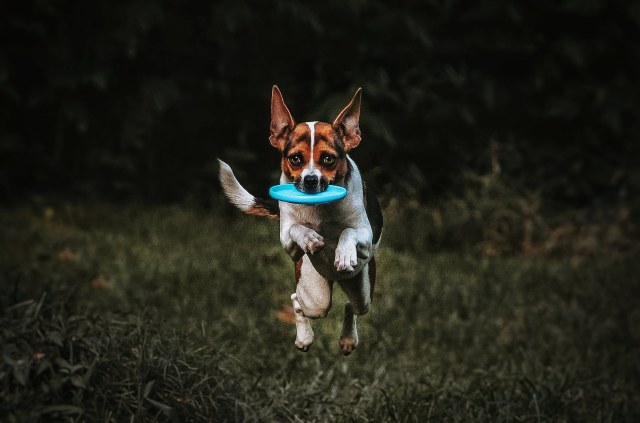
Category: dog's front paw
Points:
column 312, row 242
column 346, row 258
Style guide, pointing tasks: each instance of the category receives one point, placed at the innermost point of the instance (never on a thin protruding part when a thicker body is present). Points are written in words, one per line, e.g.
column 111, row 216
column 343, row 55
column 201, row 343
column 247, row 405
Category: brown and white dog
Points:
column 328, row 243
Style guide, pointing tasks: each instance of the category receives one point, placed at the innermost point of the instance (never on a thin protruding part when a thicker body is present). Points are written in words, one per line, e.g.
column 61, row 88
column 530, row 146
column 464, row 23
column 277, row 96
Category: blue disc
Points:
column 289, row 193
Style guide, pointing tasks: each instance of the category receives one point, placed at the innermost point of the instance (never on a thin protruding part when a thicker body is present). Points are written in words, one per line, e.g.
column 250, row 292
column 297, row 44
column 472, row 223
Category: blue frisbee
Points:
column 289, row 193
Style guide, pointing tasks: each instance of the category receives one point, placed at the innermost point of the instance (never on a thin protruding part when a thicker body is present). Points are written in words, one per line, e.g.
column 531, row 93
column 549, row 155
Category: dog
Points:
column 332, row 242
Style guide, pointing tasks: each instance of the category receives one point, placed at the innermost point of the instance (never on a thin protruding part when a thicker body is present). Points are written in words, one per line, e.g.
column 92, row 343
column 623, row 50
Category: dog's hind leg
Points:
column 359, row 290
column 349, row 336
column 311, row 300
column 304, row 333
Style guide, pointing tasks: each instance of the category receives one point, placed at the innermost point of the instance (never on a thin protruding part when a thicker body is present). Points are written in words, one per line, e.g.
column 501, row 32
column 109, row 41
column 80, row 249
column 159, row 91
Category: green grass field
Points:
column 174, row 314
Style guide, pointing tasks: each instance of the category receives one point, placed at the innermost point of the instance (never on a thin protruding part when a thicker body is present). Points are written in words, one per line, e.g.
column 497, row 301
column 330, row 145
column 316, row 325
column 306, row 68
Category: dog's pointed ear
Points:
column 347, row 122
column 281, row 121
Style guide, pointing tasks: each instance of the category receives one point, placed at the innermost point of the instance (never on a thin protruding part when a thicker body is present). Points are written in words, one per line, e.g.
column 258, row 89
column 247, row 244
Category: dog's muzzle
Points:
column 312, row 184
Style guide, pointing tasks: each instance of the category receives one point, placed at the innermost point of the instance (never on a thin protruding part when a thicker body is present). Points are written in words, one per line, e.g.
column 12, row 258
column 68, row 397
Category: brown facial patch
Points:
column 297, row 152
column 328, row 153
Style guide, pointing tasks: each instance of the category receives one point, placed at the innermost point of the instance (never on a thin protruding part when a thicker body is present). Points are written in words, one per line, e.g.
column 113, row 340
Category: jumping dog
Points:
column 333, row 242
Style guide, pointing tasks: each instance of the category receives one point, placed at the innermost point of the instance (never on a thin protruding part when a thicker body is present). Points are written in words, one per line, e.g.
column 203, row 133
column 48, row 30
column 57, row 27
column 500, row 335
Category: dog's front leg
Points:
column 298, row 240
column 353, row 244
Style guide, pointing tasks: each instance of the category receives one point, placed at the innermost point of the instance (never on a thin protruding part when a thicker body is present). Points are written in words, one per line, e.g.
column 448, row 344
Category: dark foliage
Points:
column 57, row 365
column 136, row 99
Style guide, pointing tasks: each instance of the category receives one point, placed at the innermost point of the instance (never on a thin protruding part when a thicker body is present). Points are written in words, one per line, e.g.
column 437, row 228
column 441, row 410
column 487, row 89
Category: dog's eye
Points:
column 328, row 160
column 295, row 160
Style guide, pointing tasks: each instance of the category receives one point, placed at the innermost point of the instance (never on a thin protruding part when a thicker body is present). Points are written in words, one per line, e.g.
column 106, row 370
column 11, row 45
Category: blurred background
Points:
column 135, row 100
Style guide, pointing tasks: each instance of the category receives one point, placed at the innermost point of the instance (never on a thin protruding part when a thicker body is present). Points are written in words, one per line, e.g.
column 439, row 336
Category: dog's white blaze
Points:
column 312, row 129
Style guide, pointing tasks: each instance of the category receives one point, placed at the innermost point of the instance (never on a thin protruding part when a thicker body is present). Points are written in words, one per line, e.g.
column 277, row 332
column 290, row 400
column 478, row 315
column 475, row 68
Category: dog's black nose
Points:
column 311, row 182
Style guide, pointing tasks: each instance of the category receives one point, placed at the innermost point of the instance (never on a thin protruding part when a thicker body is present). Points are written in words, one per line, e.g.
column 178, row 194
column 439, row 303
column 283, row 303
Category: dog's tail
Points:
column 241, row 198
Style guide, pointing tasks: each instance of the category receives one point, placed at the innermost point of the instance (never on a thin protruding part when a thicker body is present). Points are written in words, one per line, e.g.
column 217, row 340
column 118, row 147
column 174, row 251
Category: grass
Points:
column 171, row 314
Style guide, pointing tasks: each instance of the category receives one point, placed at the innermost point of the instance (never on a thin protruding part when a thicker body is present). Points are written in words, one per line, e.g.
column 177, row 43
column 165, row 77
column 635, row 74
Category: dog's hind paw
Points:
column 304, row 333
column 304, row 338
column 303, row 346
column 348, row 344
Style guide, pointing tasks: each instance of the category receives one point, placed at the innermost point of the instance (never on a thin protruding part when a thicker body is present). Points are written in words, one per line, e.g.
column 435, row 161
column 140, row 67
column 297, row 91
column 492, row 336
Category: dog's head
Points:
column 314, row 154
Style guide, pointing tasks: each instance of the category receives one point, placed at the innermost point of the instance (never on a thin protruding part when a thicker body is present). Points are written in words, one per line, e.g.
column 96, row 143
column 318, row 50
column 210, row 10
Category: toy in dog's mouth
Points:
column 291, row 194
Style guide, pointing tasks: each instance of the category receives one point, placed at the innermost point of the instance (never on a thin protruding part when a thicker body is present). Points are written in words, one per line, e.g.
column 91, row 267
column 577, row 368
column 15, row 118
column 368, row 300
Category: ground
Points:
column 174, row 313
